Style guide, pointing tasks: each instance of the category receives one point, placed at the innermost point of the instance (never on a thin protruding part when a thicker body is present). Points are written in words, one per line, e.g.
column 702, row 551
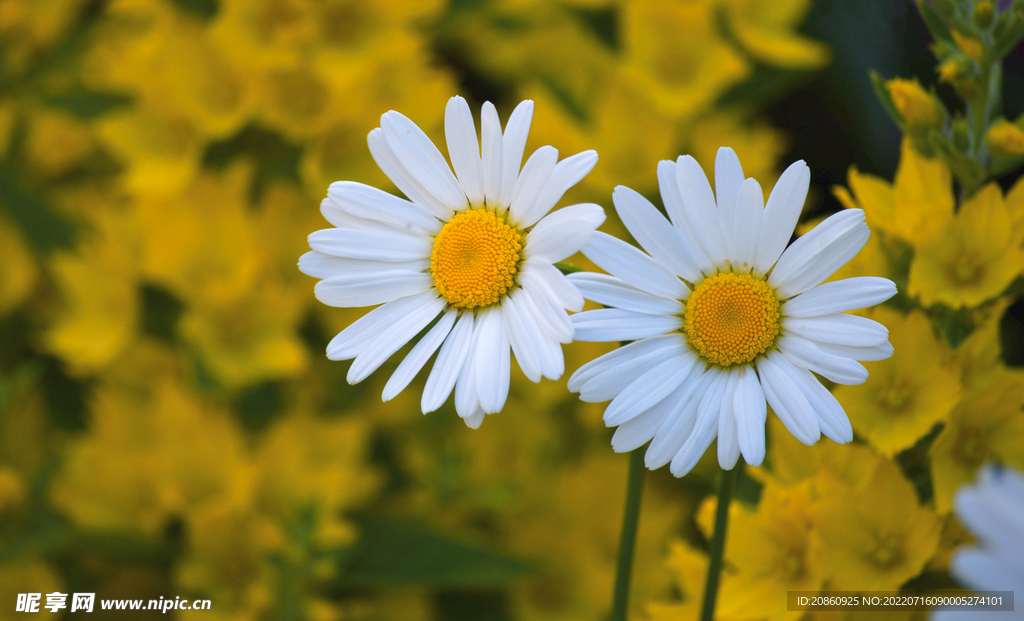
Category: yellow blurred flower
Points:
column 27, row 576
column 19, row 273
column 985, row 425
column 873, row 536
column 767, row 30
column 917, row 107
column 680, row 74
column 12, row 489
column 908, row 393
column 97, row 283
column 979, row 357
column 690, row 568
column 1005, row 138
column 159, row 145
column 769, row 552
column 56, row 142
column 918, row 206
column 973, row 259
column 250, row 338
column 968, row 45
column 149, row 460
column 201, row 245
column 304, row 461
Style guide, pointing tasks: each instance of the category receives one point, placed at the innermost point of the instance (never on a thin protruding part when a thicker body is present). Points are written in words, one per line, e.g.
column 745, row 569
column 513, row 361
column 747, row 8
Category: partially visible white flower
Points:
column 472, row 253
column 725, row 317
column 993, row 511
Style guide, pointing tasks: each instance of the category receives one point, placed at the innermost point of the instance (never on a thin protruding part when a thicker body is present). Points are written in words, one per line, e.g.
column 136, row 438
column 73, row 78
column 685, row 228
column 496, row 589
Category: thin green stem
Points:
column 627, row 540
column 725, row 484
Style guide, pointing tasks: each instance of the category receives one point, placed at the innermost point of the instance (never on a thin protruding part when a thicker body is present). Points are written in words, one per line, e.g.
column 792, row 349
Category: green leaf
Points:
column 44, row 228
column 88, row 104
column 391, row 553
column 934, row 21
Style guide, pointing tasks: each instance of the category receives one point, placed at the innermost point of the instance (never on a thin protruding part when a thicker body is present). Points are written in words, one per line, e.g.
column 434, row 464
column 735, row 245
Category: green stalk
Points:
column 725, row 485
column 627, row 540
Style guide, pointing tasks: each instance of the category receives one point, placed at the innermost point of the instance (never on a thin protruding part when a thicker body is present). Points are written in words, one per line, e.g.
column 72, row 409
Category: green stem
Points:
column 725, row 485
column 627, row 540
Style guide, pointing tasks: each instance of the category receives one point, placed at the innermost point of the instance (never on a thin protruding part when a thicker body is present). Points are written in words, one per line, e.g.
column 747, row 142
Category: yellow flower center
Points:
column 731, row 319
column 475, row 258
column 886, row 552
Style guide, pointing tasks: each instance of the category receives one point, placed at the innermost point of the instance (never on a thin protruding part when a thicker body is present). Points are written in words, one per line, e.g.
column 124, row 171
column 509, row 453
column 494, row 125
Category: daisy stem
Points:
column 725, row 485
column 627, row 541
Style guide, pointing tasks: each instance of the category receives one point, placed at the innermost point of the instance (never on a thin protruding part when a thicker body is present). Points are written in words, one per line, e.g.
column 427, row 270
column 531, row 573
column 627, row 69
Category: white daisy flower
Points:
column 472, row 253
column 724, row 317
column 993, row 511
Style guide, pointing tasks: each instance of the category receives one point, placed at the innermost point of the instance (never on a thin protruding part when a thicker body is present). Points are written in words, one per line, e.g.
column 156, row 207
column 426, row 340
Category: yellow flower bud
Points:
column 1005, row 138
column 12, row 489
column 916, row 106
column 949, row 71
column 969, row 45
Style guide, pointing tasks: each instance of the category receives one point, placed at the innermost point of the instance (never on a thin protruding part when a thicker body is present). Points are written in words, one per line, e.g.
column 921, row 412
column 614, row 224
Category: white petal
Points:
column 650, row 388
column 520, row 339
column 633, row 266
column 742, row 227
column 633, row 433
column 352, row 340
column 371, row 288
column 781, row 214
column 320, row 265
column 532, row 182
column 467, row 400
column 448, row 365
column 464, row 150
column 612, row 324
column 982, row 570
column 728, row 443
column 493, row 366
column 838, row 329
column 566, row 174
column 610, row 291
column 678, row 426
column 491, row 143
column 377, row 351
column 550, row 314
column 474, row 418
column 875, row 352
column 389, row 246
column 706, row 427
column 513, row 145
column 422, row 159
column 699, row 208
column 787, row 400
column 419, row 355
column 840, row 296
column 751, row 412
column 654, row 233
column 806, row 354
column 613, row 379
column 832, row 418
column 402, row 178
column 538, row 323
column 625, row 353
column 674, row 207
column 555, row 282
column 373, row 204
column 817, row 254
column 728, row 179
column 333, row 213
column 564, row 232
